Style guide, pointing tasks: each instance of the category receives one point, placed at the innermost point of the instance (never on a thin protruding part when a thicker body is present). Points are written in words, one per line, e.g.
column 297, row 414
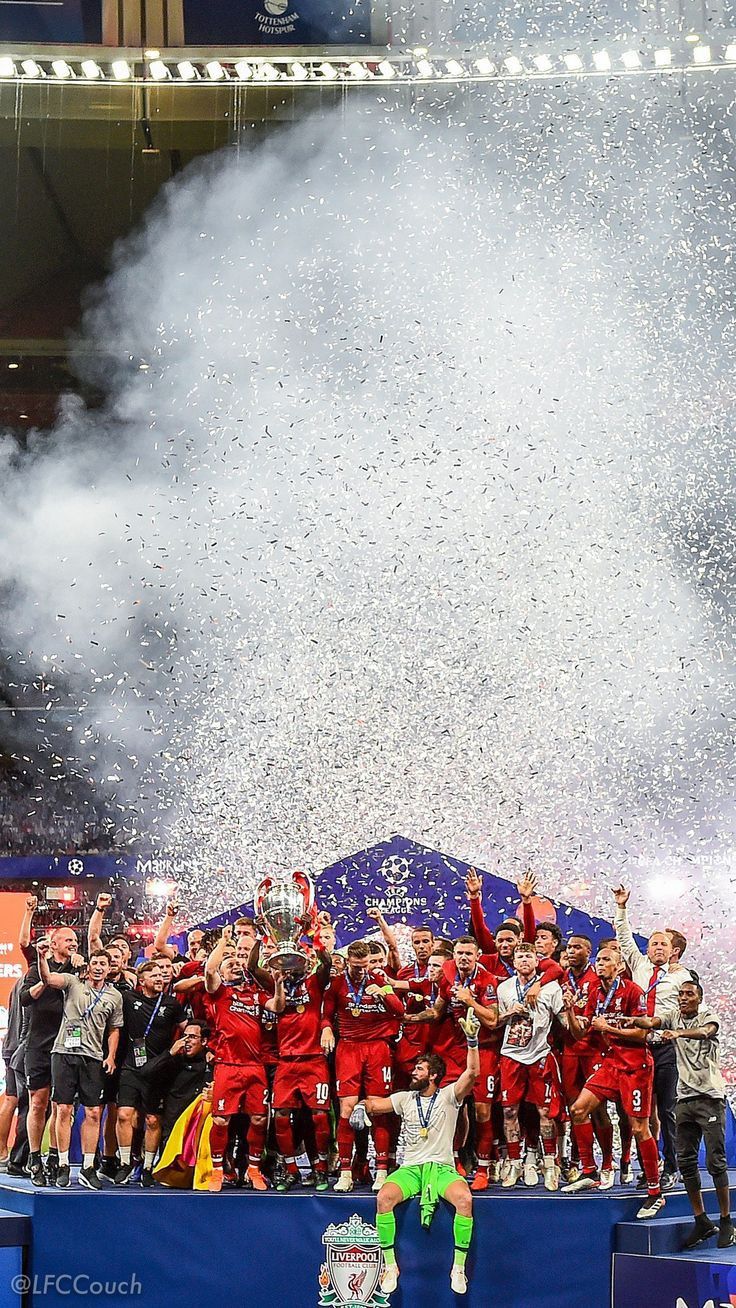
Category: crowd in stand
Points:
column 581, row 1058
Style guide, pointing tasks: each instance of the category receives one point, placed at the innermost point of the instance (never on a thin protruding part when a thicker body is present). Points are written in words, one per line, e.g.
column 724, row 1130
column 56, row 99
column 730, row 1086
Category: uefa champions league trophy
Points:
column 285, row 907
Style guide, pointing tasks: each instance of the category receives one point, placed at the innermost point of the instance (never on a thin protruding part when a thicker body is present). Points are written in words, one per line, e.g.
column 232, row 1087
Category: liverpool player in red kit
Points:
column 464, row 985
column 581, row 1057
column 366, row 1012
column 302, row 1073
column 625, row 1072
column 235, row 1005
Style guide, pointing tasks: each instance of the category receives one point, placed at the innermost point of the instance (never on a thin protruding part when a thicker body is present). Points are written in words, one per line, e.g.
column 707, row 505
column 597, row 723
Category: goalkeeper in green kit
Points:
column 429, row 1115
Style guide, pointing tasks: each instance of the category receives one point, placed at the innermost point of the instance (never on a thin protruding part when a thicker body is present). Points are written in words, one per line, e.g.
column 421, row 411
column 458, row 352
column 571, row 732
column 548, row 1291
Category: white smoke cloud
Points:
column 418, row 519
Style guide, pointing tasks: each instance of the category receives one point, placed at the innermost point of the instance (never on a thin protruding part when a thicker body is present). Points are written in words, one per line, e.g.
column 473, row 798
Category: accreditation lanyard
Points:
column 93, row 1003
column 459, row 981
column 522, row 993
column 140, row 1053
column 424, row 1121
column 574, row 985
column 602, row 1007
column 356, row 995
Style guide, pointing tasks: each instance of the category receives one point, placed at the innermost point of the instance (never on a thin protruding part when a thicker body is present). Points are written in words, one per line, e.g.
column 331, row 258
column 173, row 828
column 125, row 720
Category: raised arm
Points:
column 467, row 1080
column 24, row 936
column 212, row 978
column 161, row 943
column 526, row 887
column 478, row 924
column 394, row 957
column 94, row 929
column 630, row 951
column 56, row 980
column 277, row 1002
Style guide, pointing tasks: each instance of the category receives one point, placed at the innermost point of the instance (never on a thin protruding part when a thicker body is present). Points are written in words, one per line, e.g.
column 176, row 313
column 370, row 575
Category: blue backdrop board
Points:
column 411, row 883
column 51, row 20
column 277, row 22
column 257, row 1251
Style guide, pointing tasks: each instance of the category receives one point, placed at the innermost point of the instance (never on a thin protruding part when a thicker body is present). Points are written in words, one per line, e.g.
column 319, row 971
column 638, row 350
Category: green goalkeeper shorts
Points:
column 412, row 1180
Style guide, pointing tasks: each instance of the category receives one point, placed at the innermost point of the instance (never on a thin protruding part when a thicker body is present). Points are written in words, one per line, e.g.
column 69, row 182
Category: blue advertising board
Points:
column 54, row 21
column 277, row 22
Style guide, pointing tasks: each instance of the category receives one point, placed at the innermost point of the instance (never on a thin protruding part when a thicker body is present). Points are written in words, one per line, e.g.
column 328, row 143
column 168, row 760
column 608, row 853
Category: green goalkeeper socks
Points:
column 386, row 1227
column 462, row 1229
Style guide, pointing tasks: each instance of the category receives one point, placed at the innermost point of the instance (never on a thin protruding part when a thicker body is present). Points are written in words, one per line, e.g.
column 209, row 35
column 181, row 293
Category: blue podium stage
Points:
column 531, row 1249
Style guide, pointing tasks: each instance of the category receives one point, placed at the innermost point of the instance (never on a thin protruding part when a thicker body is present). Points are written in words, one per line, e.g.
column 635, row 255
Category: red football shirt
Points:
column 360, row 1016
column 235, row 1014
column 627, row 1000
column 582, row 987
column 300, row 1023
column 483, row 988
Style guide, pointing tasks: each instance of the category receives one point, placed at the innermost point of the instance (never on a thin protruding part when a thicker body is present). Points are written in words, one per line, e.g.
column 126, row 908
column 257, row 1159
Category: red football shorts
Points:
column 535, row 1083
column 576, row 1069
column 302, row 1081
column 239, row 1088
column 631, row 1086
column 363, row 1067
column 487, row 1088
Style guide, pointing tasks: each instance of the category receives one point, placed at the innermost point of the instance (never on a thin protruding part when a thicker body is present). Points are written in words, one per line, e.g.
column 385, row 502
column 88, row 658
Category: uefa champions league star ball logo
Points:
column 394, row 869
column 349, row 1278
column 75, row 866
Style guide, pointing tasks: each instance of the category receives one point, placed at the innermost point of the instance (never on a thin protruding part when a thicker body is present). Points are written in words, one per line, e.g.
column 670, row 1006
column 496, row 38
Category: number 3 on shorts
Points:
column 636, row 1100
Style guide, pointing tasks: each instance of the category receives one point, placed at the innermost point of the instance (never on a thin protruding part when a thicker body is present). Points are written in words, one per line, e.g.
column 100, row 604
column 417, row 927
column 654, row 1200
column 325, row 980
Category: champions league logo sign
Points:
column 349, row 1278
column 395, row 900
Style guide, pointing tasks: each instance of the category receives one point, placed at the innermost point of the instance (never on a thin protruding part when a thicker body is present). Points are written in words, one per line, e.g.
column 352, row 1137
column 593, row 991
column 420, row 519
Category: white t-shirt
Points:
column 525, row 1037
column 437, row 1147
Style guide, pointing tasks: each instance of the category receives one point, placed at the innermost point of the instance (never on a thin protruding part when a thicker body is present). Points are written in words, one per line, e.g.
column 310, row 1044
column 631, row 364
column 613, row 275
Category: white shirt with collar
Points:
column 643, row 970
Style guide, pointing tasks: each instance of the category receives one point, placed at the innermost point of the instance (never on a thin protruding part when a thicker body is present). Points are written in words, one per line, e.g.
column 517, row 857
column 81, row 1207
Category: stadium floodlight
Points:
column 573, row 63
column 701, row 54
column 298, row 71
column 386, row 69
column 186, row 70
column 90, row 70
column 328, row 71
column 453, row 68
column 268, row 73
column 215, row 70
column 513, row 65
column 158, row 70
column 7, row 67
column 730, row 54
column 602, row 61
column 62, row 69
column 244, row 70
column 425, row 68
column 358, row 71
column 542, row 63
column 662, row 58
column 31, row 68
column 485, row 66
column 630, row 59
column 121, row 70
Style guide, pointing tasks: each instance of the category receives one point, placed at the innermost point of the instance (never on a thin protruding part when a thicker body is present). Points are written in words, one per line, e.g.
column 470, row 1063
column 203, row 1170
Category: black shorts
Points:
column 140, row 1092
column 76, row 1077
column 38, row 1069
column 11, row 1085
column 111, row 1087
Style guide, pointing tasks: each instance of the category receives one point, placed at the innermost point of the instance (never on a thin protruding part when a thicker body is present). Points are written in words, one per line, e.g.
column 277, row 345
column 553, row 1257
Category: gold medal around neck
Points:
column 424, row 1132
column 300, row 1008
column 355, row 1010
